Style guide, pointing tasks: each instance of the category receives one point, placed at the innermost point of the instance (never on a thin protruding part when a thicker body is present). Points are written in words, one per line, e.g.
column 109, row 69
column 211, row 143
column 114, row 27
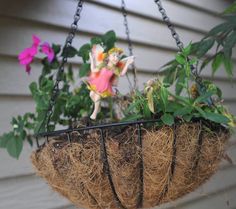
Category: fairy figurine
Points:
column 106, row 68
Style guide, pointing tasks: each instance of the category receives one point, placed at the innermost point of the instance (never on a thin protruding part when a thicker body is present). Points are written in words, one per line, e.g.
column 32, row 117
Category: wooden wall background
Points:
column 153, row 46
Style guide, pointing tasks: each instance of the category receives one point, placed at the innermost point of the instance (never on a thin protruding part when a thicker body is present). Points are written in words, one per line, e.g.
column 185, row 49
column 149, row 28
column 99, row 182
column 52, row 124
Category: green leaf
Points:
column 216, row 117
column 56, row 48
column 202, row 113
column 218, row 92
column 187, row 49
column 222, row 28
column 204, row 97
column 206, row 62
column 132, row 117
column 69, row 51
column 183, row 100
column 39, row 126
column 84, row 52
column 96, row 40
column 183, row 111
column 109, row 39
column 173, row 106
column 187, row 69
column 180, row 81
column 170, row 75
column 180, row 59
column 164, row 96
column 228, row 66
column 146, row 111
column 14, row 146
column 230, row 42
column 231, row 18
column 33, row 88
column 70, row 73
column 194, row 47
column 167, row 119
column 84, row 70
column 187, row 118
column 204, row 47
column 46, row 85
column 168, row 64
column 217, row 61
column 30, row 141
column 5, row 138
column 230, row 9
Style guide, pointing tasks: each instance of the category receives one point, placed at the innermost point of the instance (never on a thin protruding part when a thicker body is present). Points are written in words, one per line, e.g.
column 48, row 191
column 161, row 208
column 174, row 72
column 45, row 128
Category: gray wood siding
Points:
column 153, row 46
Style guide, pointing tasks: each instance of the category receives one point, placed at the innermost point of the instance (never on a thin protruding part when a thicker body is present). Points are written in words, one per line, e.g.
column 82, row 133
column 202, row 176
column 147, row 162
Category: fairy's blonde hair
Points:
column 115, row 49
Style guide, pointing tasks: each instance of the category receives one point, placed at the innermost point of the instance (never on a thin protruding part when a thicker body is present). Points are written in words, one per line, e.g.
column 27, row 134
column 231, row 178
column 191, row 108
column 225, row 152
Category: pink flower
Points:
column 36, row 41
column 46, row 49
column 27, row 55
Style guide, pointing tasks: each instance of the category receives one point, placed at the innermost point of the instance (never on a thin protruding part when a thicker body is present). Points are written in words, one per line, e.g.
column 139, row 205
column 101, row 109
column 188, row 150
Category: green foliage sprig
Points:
column 157, row 101
column 72, row 104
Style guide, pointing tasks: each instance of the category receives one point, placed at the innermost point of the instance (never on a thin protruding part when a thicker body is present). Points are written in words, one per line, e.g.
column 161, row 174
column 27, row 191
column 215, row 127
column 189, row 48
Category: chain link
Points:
column 166, row 19
column 179, row 43
column 56, row 88
column 130, row 45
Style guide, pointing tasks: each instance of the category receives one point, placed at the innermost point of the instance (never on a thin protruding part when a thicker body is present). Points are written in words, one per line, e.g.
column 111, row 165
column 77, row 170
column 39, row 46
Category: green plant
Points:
column 73, row 102
column 198, row 102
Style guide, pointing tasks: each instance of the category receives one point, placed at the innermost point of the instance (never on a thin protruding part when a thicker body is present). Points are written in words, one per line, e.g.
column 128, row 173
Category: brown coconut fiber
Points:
column 176, row 160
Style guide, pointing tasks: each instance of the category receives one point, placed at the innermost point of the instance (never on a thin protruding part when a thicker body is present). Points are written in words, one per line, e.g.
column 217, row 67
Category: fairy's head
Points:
column 114, row 55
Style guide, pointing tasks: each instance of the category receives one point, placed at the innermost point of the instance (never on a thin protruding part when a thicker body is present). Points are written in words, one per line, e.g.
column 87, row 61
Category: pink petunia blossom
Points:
column 46, row 49
column 36, row 41
column 27, row 55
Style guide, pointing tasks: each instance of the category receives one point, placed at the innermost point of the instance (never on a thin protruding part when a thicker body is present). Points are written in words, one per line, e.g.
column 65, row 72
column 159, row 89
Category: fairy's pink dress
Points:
column 101, row 82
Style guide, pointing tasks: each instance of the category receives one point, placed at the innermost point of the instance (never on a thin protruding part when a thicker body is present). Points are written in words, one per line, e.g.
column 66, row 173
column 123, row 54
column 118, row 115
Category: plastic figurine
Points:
column 105, row 70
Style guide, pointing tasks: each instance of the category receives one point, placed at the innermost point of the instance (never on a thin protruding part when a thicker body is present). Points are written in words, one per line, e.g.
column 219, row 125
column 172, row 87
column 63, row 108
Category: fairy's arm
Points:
column 129, row 61
column 93, row 67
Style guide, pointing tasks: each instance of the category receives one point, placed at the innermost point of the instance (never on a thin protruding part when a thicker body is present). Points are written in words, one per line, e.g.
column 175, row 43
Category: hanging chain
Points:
column 130, row 46
column 55, row 90
column 179, row 43
column 166, row 19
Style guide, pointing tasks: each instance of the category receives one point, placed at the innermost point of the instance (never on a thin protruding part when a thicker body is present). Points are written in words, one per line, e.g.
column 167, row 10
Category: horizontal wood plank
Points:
column 13, row 79
column 151, row 33
column 206, row 5
column 28, row 192
column 178, row 13
column 222, row 181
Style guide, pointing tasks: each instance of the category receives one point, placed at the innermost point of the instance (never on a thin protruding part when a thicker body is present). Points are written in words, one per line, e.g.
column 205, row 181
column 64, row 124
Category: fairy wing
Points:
column 98, row 54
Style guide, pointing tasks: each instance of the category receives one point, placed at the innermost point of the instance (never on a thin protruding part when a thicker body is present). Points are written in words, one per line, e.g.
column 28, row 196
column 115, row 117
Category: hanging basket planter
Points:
column 171, row 145
column 102, row 169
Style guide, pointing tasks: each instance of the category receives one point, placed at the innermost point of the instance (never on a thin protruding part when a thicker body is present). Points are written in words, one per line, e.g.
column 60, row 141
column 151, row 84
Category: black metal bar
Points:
column 173, row 164
column 198, row 150
column 37, row 142
column 68, row 137
column 55, row 133
column 107, row 170
column 140, row 197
